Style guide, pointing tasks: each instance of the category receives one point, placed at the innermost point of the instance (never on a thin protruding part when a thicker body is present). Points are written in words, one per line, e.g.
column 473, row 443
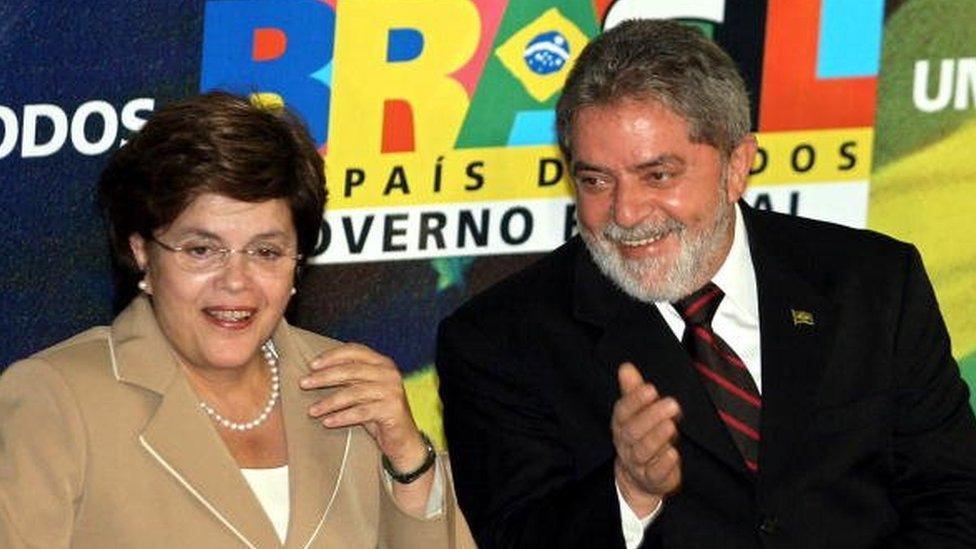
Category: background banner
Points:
column 923, row 188
column 435, row 118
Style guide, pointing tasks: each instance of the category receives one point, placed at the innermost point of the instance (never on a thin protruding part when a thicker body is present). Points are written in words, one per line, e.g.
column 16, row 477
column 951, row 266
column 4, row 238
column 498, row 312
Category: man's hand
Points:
column 644, row 428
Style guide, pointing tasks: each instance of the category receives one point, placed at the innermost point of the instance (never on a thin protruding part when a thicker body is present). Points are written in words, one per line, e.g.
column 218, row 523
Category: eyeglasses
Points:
column 205, row 257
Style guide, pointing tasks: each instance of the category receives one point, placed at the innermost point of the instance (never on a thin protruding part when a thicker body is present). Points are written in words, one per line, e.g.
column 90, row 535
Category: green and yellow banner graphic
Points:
column 923, row 188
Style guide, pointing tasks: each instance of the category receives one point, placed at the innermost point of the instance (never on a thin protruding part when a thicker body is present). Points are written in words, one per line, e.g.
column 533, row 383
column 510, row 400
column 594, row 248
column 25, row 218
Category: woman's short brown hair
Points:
column 212, row 143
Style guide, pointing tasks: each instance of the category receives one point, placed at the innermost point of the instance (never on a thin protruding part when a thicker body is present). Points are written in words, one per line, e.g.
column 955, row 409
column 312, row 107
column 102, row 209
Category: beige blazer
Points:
column 102, row 444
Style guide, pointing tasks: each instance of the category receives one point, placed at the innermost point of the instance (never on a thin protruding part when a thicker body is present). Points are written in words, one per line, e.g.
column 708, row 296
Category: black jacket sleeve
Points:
column 515, row 478
column 934, row 489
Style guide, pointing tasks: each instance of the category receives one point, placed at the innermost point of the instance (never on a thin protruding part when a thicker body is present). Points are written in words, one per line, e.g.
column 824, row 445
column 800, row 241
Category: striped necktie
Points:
column 725, row 376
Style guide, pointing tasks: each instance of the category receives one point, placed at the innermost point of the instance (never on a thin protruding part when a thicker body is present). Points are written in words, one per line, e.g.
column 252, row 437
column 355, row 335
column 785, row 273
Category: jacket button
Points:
column 769, row 525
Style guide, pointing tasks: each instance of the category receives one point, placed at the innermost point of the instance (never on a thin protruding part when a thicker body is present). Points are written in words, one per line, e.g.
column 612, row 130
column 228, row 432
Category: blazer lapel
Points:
column 184, row 442
column 178, row 436
column 316, row 455
column 797, row 329
column 635, row 332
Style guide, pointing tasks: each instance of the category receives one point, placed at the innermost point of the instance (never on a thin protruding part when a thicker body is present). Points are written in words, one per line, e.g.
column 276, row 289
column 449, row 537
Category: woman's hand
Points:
column 369, row 392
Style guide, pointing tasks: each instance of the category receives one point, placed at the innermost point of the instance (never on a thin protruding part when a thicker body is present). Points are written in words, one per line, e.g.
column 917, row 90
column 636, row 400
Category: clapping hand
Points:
column 644, row 426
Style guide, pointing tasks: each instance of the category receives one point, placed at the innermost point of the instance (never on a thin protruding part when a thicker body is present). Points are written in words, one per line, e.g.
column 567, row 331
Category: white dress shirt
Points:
column 736, row 321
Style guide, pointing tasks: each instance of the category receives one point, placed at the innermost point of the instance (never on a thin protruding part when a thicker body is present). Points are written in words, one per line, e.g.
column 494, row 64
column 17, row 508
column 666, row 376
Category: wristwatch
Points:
column 410, row 476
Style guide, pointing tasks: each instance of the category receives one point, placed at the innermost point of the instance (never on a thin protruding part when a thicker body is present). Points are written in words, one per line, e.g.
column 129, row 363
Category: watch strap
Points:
column 410, row 476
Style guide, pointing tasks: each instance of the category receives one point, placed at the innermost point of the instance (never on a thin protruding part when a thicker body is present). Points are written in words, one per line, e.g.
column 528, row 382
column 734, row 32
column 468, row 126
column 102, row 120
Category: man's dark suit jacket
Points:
column 867, row 436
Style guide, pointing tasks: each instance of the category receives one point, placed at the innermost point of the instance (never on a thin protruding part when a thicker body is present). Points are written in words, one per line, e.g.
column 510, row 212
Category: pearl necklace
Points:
column 271, row 357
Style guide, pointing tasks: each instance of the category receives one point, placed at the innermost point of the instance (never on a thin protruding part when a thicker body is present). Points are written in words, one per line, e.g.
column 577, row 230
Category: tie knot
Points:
column 698, row 308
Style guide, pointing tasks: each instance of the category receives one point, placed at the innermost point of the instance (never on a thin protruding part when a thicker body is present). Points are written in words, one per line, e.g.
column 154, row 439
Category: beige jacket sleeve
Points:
column 398, row 529
column 42, row 457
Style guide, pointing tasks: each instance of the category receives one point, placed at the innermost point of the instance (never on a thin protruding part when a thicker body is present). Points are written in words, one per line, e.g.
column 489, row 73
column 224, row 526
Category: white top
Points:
column 736, row 321
column 270, row 486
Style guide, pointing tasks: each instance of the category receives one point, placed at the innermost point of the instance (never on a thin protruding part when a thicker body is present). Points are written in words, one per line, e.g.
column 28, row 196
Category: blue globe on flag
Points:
column 546, row 53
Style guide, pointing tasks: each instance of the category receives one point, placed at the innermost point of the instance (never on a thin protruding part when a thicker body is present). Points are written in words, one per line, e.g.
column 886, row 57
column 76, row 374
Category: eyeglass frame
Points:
column 225, row 254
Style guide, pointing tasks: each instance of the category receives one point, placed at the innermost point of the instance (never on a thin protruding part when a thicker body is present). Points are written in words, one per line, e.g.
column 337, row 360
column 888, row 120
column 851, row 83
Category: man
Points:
column 690, row 372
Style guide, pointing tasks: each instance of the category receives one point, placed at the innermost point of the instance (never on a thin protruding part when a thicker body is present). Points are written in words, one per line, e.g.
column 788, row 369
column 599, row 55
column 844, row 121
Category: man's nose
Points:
column 631, row 204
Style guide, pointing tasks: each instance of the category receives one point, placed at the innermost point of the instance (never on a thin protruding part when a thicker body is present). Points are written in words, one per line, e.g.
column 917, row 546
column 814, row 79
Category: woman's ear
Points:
column 138, row 246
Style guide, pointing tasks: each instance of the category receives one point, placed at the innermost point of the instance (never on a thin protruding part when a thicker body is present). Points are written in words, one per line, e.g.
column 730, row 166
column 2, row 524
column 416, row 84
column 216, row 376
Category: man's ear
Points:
column 138, row 246
column 737, row 170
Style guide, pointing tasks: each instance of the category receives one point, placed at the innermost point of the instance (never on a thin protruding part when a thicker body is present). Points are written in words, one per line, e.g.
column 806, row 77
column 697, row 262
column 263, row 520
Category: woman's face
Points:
column 219, row 317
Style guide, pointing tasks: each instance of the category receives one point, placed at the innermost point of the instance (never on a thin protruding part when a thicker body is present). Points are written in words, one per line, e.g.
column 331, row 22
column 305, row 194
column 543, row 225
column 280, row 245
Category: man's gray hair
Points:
column 664, row 61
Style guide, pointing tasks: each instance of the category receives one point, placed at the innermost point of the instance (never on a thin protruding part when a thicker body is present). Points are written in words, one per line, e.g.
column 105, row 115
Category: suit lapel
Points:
column 796, row 324
column 316, row 455
column 184, row 442
column 635, row 332
column 178, row 436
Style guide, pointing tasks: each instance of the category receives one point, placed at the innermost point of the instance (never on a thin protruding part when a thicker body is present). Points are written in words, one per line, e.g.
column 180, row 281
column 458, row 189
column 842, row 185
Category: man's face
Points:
column 655, row 209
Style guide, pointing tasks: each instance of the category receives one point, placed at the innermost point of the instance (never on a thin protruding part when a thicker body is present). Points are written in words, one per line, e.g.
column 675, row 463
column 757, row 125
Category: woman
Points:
column 196, row 419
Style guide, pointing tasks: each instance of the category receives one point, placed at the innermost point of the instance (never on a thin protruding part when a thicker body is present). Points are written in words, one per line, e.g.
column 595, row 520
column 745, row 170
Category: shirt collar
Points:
column 737, row 276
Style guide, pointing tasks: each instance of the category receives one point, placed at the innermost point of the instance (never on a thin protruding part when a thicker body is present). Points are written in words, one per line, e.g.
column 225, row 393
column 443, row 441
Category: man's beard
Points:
column 686, row 272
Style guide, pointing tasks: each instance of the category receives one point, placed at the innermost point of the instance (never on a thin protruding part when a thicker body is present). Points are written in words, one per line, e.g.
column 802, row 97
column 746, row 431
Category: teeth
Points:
column 234, row 316
column 635, row 243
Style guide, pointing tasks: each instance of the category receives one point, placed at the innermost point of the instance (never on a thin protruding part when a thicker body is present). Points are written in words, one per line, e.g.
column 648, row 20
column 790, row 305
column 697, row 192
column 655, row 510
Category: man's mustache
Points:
column 646, row 230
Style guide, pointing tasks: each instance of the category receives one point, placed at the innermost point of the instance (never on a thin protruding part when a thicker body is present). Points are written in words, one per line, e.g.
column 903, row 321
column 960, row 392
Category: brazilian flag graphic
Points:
column 534, row 49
